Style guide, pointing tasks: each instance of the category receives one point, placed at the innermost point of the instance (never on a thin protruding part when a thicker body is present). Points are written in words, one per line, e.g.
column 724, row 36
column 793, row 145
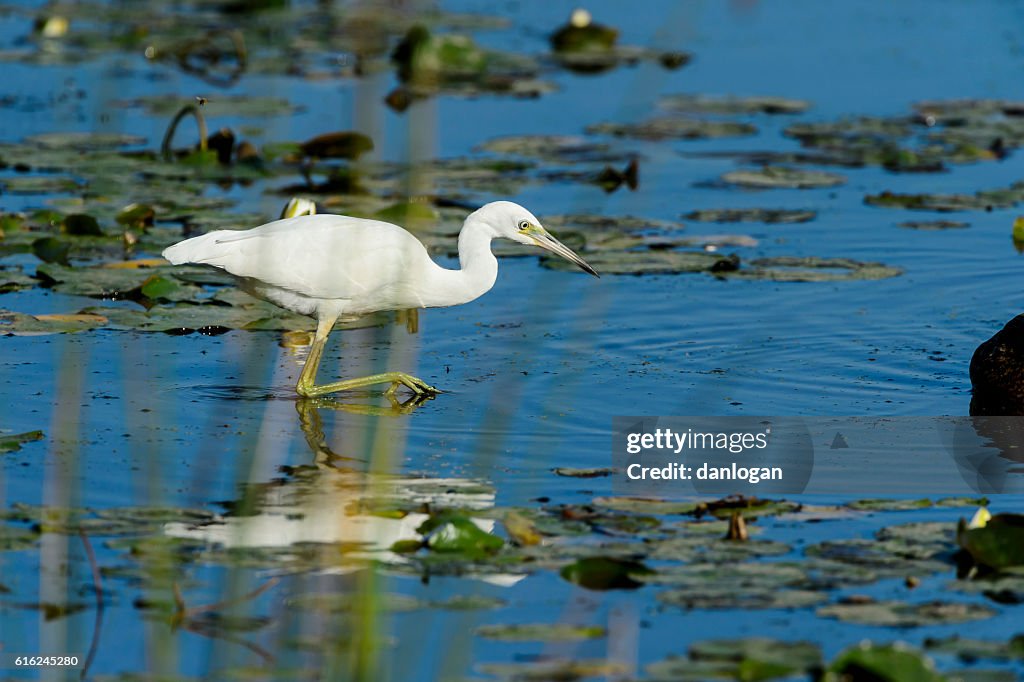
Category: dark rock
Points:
column 997, row 372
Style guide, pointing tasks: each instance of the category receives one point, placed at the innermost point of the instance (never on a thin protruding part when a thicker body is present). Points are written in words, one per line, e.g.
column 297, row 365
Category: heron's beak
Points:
column 544, row 240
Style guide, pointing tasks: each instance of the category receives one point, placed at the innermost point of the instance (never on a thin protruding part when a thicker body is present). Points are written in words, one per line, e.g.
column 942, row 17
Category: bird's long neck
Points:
column 478, row 267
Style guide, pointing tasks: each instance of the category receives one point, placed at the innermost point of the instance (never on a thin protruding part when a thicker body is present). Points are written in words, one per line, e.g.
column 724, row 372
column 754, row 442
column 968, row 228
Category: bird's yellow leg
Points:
column 308, row 388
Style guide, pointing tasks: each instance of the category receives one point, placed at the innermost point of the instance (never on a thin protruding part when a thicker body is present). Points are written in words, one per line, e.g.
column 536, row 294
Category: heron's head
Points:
column 512, row 221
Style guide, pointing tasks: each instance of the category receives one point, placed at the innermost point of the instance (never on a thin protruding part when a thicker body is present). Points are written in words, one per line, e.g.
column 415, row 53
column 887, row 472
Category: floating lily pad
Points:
column 674, row 127
column 469, row 602
column 649, row 262
column 697, row 546
column 81, row 224
column 645, row 505
column 905, row 614
column 748, row 507
column 16, row 538
column 218, row 106
column 739, row 596
column 116, row 283
column 785, row 177
column 557, row 148
column 84, row 142
column 340, row 145
column 751, row 215
column 572, row 472
column 930, row 225
column 52, row 250
column 21, row 324
column 13, row 442
column 541, row 632
column 984, row 200
column 896, row 551
column 889, row 504
column 706, row 104
column 38, row 184
column 1003, row 587
column 450, row 532
column 606, row 573
column 999, row 544
column 136, row 215
column 882, row 663
column 521, row 529
column 814, row 269
column 754, row 658
column 969, row 649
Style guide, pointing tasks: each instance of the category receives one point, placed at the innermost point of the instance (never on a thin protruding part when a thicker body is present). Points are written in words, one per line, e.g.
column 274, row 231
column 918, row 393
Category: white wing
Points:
column 320, row 256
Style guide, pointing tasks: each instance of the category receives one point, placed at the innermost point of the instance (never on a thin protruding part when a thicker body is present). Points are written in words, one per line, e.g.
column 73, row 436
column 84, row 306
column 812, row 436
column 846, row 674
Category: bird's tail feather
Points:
column 195, row 250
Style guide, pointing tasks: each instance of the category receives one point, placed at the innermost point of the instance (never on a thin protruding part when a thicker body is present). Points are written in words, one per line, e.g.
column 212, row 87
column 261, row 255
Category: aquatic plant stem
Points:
column 165, row 146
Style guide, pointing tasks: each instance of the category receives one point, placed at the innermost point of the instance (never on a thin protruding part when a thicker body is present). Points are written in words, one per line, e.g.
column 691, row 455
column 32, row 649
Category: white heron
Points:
column 326, row 266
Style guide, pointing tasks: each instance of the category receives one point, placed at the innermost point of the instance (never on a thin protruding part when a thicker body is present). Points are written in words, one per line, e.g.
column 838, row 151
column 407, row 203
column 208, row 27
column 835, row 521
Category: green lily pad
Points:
column 218, row 106
column 745, row 575
column 469, row 602
column 813, row 269
column 12, row 279
column 1003, row 587
column 114, row 283
column 13, row 442
column 340, row 145
column 997, row 545
column 649, row 262
column 136, row 215
column 980, row 201
column 409, row 214
column 782, row 177
column 969, row 649
column 38, row 184
column 882, row 663
column 740, row 597
column 541, row 632
column 752, row 659
column 84, row 142
column 555, row 148
column 605, row 573
column 889, row 504
column 645, row 505
column 52, row 250
column 16, row 538
column 674, row 127
column 450, row 532
column 81, row 224
column 576, row 669
column 931, row 225
column 573, row 472
column 905, row 614
column 752, row 215
column 697, row 545
column 22, row 324
column 705, row 104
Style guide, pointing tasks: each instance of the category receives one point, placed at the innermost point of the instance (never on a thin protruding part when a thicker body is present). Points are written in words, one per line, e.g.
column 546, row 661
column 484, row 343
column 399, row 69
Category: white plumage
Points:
column 329, row 265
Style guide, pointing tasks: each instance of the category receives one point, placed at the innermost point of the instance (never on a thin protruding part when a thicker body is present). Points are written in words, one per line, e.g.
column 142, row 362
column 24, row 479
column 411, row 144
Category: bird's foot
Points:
column 396, row 379
column 414, row 384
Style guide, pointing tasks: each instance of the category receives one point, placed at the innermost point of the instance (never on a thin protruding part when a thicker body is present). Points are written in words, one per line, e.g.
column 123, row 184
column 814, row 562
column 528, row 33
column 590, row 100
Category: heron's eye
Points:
column 524, row 224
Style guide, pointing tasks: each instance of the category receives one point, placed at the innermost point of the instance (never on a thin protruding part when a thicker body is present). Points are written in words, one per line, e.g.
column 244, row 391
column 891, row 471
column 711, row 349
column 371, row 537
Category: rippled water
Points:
column 535, row 370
